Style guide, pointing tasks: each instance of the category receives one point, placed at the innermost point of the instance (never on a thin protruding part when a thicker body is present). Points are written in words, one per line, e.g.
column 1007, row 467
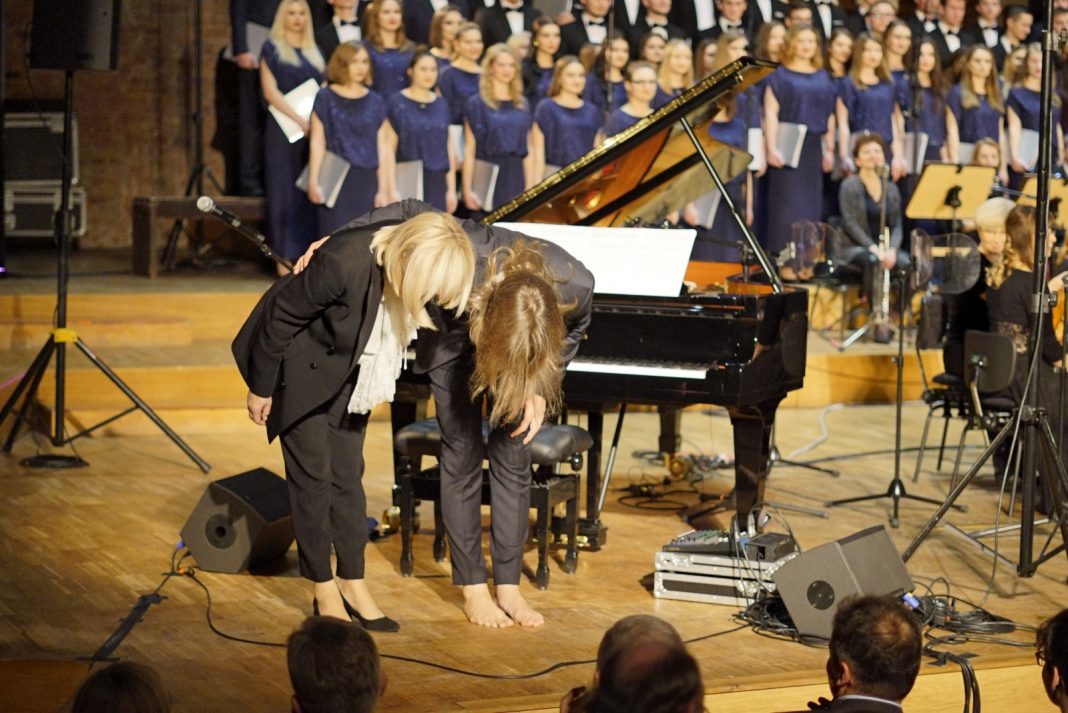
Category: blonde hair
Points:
column 991, row 213
column 558, row 69
column 308, row 48
column 787, row 54
column 425, row 259
column 859, row 45
column 985, row 141
column 337, row 70
column 1019, row 245
column 968, row 98
column 664, row 71
column 460, row 32
column 517, row 327
column 485, row 83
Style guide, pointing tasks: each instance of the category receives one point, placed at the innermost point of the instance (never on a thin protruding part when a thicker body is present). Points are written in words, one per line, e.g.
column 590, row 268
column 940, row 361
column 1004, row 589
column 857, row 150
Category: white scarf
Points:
column 383, row 357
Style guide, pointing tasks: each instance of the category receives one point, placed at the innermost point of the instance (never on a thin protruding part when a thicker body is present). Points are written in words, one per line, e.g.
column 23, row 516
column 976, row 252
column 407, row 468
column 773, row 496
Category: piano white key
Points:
column 635, row 369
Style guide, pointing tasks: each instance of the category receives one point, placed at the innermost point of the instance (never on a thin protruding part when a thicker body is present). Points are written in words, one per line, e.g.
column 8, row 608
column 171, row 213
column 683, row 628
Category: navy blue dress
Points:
column 661, row 98
column 871, row 108
column 458, row 86
column 733, row 132
column 797, row 193
column 569, row 133
column 389, row 69
column 423, row 135
column 982, row 122
column 1027, row 105
column 536, row 81
column 351, row 128
column 619, row 120
column 595, row 93
column 291, row 221
column 501, row 138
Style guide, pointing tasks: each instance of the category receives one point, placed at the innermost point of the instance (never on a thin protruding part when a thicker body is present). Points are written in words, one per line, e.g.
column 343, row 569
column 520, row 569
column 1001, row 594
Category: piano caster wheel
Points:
column 571, row 564
column 542, row 578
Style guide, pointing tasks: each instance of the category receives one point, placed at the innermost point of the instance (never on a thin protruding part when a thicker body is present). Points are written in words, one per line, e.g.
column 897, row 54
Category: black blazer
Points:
column 944, row 53
column 419, row 13
column 301, row 341
column 573, row 36
column 838, row 19
column 327, row 39
column 684, row 15
column 260, row 12
column 641, row 28
column 494, row 22
column 450, row 341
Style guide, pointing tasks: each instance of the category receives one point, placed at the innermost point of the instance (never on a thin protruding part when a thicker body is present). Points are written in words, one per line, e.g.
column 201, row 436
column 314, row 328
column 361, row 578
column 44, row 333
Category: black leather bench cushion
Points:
column 554, row 443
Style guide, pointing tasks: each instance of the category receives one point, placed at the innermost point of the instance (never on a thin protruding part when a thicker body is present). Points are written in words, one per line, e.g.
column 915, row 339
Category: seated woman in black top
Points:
column 1009, row 308
column 861, row 201
column 968, row 309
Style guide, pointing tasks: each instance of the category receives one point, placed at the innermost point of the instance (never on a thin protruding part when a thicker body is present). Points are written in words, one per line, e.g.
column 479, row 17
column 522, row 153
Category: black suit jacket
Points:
column 434, row 348
column 641, row 28
column 419, row 13
column 683, row 14
column 944, row 53
column 838, row 19
column 855, row 23
column 863, row 705
column 260, row 12
column 977, row 32
column 494, row 22
column 573, row 37
column 301, row 342
column 327, row 39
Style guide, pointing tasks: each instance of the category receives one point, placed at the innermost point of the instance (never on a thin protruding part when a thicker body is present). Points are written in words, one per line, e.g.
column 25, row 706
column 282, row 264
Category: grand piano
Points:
column 743, row 349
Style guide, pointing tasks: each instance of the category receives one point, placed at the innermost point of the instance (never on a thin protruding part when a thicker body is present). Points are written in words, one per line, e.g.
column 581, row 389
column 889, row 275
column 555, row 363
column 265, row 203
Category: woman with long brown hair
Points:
column 538, row 67
column 867, row 103
column 566, row 127
column 391, row 50
column 974, row 109
column 443, row 28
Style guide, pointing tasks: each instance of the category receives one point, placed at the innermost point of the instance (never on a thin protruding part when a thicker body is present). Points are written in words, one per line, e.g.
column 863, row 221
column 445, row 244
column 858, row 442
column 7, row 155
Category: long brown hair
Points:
column 517, row 327
column 373, row 30
column 1019, row 245
column 968, row 98
column 859, row 45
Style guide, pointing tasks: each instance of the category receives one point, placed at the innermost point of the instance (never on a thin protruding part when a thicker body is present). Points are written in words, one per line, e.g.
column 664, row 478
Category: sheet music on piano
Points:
column 642, row 262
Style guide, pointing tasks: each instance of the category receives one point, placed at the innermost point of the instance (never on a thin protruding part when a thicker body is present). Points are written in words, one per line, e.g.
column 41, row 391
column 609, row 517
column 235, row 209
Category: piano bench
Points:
column 554, row 445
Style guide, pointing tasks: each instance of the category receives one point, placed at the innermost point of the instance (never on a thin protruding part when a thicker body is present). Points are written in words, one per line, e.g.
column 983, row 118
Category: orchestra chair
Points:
column 947, row 394
column 554, row 446
column 834, row 280
column 989, row 365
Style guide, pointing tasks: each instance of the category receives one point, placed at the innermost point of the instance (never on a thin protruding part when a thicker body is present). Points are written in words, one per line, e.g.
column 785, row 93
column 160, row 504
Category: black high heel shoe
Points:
column 382, row 624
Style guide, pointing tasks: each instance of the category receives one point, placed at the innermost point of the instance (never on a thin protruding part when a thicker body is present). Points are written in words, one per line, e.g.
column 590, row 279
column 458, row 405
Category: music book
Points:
column 707, row 205
column 255, row 37
column 409, row 176
column 755, row 147
column 965, row 153
column 915, row 144
column 1028, row 152
column 300, row 99
column 484, row 182
column 790, row 142
column 456, row 133
column 332, row 176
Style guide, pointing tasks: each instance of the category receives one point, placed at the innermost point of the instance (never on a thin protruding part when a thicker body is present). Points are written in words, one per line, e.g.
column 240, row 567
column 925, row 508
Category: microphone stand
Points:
column 207, row 205
column 610, row 35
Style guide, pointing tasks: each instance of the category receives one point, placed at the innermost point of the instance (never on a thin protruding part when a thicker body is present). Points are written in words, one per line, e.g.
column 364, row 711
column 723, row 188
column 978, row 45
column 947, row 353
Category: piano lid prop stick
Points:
column 611, row 458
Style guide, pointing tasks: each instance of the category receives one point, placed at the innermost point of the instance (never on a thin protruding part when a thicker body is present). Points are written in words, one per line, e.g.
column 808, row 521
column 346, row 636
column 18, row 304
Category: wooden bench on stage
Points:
column 148, row 242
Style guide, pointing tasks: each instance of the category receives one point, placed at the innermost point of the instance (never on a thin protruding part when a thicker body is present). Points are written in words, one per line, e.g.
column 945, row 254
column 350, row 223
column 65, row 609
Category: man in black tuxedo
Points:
column 250, row 109
column 1051, row 650
column 693, row 16
column 654, row 20
column 761, row 12
column 987, row 27
column 921, row 20
column 731, row 16
column 1018, row 22
column 875, row 652
column 506, row 18
column 589, row 27
column 826, row 17
column 418, row 15
column 948, row 34
column 344, row 26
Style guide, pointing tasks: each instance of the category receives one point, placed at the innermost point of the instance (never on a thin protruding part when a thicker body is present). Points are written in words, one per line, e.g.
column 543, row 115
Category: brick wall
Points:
column 135, row 126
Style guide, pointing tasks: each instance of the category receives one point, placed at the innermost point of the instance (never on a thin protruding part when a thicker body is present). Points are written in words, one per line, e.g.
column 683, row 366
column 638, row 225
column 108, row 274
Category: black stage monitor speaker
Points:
column 240, row 522
column 75, row 34
column 813, row 583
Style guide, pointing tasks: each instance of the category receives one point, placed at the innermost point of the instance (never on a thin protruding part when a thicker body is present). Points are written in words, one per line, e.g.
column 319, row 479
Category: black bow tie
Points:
column 591, row 23
column 732, row 25
column 661, row 25
column 512, row 8
column 951, row 33
column 353, row 23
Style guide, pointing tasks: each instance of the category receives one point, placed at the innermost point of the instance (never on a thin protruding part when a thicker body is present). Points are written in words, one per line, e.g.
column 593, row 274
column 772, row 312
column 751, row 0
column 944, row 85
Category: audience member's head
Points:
column 1051, row 649
column 990, row 224
column 124, row 687
column 648, row 677
column 987, row 152
column 875, row 649
column 334, row 667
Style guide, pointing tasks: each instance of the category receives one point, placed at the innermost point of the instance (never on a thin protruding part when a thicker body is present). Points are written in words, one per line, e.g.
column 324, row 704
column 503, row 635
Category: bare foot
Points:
column 328, row 599
column 481, row 609
column 359, row 598
column 515, row 606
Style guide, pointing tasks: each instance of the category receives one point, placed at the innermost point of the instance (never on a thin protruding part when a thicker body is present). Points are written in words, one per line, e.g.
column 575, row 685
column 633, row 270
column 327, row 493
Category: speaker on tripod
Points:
column 75, row 34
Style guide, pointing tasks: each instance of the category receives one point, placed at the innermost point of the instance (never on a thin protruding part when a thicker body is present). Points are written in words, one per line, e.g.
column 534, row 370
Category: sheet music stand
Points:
column 1058, row 196
column 950, row 192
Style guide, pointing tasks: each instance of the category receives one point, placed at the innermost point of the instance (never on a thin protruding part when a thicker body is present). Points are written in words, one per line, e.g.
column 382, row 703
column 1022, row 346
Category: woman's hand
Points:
column 472, row 201
column 847, row 165
column 302, row 261
column 1057, row 282
column 450, row 201
column 690, row 215
column 533, row 418
column 1017, row 166
column 259, row 408
column 775, row 159
column 898, row 169
column 382, row 199
column 888, row 259
column 1003, row 176
column 304, row 125
column 315, row 194
column 828, row 161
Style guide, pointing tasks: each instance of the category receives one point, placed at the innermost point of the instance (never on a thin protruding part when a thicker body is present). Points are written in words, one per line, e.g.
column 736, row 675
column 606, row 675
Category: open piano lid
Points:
column 647, row 171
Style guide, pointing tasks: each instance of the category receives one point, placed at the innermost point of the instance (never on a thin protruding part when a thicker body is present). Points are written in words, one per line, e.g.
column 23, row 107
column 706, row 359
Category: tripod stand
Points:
column 62, row 336
column 194, row 185
column 896, row 491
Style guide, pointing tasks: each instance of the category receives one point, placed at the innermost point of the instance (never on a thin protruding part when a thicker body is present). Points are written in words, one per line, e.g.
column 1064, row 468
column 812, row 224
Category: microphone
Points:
column 206, row 205
column 883, row 172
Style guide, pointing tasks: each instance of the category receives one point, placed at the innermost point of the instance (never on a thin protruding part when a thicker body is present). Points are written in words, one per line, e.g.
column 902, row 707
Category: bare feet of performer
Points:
column 515, row 606
column 481, row 609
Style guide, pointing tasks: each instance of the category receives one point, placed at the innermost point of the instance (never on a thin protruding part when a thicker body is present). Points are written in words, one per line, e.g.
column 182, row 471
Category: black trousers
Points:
column 460, row 420
column 323, row 454
column 252, row 116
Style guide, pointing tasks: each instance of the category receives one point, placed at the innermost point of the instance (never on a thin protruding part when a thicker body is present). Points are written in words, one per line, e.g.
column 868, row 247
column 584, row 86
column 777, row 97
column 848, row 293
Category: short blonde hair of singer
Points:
column 991, row 213
column 426, row 259
column 517, row 327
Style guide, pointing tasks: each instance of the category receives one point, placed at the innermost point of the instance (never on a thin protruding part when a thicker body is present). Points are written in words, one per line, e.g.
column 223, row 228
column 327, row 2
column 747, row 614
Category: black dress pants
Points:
column 460, row 421
column 323, row 454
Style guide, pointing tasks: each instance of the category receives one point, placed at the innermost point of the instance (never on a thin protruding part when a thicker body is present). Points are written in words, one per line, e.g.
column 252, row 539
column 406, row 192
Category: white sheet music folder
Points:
column 642, row 262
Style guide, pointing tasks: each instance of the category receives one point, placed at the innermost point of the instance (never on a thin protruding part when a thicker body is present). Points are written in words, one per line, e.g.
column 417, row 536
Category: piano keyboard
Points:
column 665, row 370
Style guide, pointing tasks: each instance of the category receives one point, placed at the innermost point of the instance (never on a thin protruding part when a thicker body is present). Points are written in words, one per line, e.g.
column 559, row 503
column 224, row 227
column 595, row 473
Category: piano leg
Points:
column 590, row 527
column 752, row 451
column 670, row 425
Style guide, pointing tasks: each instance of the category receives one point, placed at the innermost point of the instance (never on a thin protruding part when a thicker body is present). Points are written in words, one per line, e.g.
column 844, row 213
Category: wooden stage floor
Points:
column 80, row 546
